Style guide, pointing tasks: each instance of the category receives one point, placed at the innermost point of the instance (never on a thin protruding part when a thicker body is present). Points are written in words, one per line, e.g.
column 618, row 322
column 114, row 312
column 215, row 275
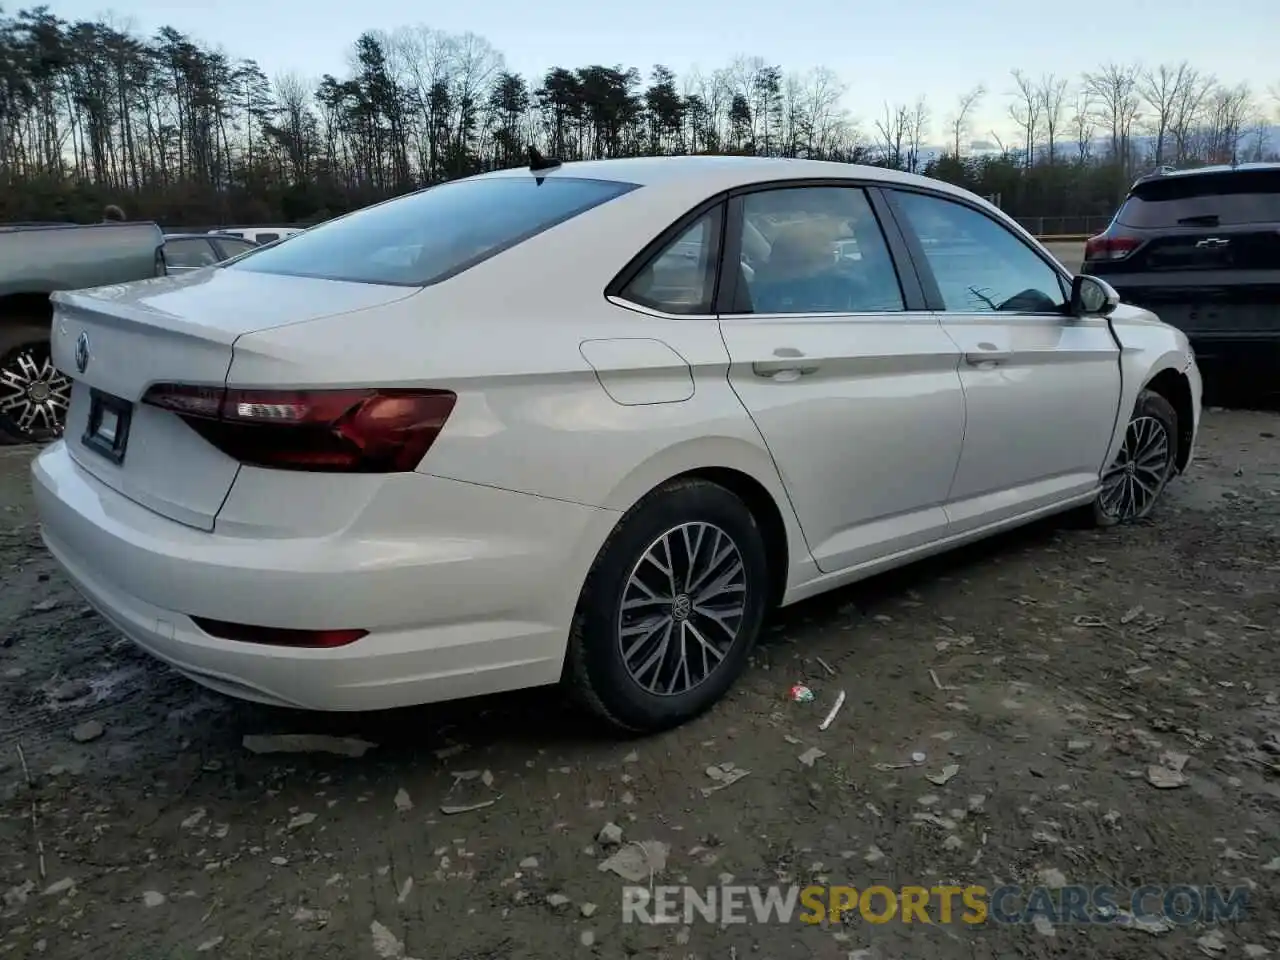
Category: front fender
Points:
column 1148, row 348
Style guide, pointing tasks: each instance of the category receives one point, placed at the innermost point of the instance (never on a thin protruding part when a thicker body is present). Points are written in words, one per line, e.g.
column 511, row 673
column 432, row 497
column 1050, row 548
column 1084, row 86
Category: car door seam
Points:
column 782, row 483
column 964, row 400
column 1115, row 423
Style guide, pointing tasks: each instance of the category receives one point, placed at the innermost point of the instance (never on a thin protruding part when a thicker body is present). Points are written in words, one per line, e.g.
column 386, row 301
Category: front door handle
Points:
column 784, row 370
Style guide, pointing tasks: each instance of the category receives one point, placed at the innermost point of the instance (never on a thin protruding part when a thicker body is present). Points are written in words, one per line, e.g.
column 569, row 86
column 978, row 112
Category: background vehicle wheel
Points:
column 1146, row 462
column 34, row 395
column 670, row 609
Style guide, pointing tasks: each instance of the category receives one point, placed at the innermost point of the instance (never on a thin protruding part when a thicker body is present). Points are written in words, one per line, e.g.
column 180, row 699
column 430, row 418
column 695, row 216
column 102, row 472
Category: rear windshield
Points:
column 434, row 234
column 1234, row 197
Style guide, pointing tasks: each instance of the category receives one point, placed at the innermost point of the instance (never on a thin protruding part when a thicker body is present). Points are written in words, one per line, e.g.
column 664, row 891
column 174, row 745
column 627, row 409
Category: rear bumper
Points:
column 1234, row 331
column 482, row 607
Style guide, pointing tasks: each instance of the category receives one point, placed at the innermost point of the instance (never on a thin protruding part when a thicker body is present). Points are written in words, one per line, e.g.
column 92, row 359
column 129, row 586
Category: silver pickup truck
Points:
column 36, row 260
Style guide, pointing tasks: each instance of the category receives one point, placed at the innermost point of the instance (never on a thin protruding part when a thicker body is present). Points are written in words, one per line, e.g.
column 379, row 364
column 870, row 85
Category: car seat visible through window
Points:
column 799, row 275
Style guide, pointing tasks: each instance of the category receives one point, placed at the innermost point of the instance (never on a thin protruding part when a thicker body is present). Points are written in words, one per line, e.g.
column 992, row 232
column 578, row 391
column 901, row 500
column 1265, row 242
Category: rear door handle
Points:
column 982, row 357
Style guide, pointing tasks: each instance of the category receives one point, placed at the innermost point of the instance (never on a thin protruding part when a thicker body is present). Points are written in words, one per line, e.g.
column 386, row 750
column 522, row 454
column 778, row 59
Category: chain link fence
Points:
column 1064, row 226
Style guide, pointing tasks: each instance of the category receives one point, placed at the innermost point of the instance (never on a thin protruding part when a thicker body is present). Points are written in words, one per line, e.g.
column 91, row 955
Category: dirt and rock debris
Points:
column 1057, row 706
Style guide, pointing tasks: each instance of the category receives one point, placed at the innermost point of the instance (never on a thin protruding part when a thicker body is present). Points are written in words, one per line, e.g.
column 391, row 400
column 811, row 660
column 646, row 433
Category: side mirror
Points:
column 1091, row 297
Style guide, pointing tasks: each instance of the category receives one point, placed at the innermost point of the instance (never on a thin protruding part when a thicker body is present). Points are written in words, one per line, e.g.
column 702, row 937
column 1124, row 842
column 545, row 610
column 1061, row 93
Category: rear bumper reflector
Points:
column 278, row 636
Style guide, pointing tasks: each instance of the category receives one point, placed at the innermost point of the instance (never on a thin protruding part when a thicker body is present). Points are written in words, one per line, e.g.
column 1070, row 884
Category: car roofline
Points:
column 1213, row 170
column 718, row 173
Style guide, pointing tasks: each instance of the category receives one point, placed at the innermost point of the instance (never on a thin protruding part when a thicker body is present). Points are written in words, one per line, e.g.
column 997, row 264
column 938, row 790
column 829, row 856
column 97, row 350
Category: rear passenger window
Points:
column 980, row 266
column 681, row 279
column 814, row 250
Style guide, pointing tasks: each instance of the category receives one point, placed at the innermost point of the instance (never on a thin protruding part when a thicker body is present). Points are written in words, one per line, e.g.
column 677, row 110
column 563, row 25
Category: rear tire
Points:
column 685, row 567
column 1147, row 461
column 34, row 395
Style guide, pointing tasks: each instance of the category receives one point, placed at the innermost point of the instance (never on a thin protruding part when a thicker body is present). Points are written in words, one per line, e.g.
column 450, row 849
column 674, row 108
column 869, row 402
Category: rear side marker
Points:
column 278, row 636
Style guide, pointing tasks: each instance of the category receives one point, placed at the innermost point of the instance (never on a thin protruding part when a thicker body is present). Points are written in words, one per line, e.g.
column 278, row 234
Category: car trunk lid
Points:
column 116, row 342
column 1197, row 250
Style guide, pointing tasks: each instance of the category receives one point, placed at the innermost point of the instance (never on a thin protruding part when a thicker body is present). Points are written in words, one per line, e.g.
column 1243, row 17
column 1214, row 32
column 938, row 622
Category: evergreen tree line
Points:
column 173, row 130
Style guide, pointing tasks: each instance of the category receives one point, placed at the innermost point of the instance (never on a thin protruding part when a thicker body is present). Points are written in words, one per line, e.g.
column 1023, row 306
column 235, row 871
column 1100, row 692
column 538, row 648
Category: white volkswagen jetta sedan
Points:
column 584, row 423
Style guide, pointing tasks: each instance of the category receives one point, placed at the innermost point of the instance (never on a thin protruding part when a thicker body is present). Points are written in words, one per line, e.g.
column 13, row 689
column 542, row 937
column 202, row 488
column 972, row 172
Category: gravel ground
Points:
column 1053, row 667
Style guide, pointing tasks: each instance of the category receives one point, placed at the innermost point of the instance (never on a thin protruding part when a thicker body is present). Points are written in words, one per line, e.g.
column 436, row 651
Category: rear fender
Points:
column 718, row 454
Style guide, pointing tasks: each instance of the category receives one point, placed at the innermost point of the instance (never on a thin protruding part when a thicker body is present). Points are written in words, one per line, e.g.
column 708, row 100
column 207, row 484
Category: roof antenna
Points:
column 538, row 163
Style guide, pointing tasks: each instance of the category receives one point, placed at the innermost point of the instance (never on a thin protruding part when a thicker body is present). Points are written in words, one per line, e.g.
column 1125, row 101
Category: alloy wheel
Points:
column 1133, row 482
column 682, row 608
column 34, row 394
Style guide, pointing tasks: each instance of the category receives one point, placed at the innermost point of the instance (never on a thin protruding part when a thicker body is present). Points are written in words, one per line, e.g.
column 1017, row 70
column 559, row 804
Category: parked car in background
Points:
column 542, row 425
column 258, row 235
column 184, row 252
column 35, row 261
column 1201, row 248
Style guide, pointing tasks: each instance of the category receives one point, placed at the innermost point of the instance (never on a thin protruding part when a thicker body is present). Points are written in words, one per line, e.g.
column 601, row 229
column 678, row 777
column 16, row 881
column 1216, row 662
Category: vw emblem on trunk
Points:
column 82, row 351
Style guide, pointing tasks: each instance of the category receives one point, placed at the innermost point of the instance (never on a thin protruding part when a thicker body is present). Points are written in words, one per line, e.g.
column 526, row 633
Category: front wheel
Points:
column 1133, row 483
column 34, row 394
column 670, row 610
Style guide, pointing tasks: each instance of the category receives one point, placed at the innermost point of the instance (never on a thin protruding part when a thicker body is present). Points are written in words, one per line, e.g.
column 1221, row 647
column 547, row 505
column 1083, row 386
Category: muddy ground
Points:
column 1054, row 667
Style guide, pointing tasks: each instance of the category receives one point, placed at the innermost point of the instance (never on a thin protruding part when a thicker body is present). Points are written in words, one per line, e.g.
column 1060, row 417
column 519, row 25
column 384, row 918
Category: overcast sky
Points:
column 892, row 51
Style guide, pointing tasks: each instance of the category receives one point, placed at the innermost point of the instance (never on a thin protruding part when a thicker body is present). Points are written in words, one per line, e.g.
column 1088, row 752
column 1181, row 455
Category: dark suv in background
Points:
column 1201, row 249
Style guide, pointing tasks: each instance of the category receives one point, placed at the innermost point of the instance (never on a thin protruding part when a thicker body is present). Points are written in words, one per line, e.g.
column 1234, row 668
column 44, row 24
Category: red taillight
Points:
column 278, row 636
column 342, row 431
column 1104, row 247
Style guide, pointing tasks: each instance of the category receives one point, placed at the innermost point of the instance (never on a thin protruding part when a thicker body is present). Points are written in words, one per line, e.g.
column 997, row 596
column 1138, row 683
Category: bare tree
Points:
column 962, row 119
column 1025, row 112
column 1228, row 108
column 1084, row 124
column 917, row 130
column 793, row 134
column 1115, row 92
column 1052, row 93
column 476, row 63
column 747, row 78
column 1162, row 88
column 821, row 93
column 295, row 126
column 1258, row 139
column 425, row 60
column 712, row 92
column 1000, row 145
column 1188, row 113
column 892, row 131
